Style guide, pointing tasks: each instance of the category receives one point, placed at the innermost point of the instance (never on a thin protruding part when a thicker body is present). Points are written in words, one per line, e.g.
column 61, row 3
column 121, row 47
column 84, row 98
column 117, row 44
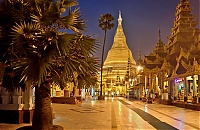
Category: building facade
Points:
column 172, row 70
column 17, row 106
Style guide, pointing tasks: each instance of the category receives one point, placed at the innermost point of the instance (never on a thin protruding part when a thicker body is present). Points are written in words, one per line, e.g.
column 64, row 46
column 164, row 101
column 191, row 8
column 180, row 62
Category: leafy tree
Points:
column 105, row 24
column 44, row 43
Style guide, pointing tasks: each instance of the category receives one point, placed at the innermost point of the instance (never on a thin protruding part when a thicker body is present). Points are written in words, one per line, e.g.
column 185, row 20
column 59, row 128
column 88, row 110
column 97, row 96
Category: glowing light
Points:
column 92, row 102
column 120, row 109
column 146, row 108
column 130, row 116
column 139, row 68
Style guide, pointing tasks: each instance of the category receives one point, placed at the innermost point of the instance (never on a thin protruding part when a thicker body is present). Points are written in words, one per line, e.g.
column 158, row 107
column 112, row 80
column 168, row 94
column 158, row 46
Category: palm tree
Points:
column 105, row 24
column 42, row 49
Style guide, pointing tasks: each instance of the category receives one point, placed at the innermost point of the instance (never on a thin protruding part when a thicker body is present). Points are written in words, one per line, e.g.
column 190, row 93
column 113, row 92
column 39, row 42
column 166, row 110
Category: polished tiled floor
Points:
column 120, row 114
column 180, row 118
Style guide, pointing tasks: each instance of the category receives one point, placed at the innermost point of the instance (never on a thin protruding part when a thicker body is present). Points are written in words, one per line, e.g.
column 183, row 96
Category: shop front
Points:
column 186, row 89
column 180, row 87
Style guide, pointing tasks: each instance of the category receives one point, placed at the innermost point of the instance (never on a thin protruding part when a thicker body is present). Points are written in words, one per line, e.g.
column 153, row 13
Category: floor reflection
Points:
column 146, row 108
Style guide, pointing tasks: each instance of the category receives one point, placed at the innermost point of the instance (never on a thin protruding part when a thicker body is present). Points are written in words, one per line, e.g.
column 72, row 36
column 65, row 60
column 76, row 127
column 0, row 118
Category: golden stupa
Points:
column 118, row 63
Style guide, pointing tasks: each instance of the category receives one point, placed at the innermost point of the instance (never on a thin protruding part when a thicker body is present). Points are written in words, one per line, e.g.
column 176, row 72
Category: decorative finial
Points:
column 159, row 37
column 140, row 57
column 120, row 15
column 183, row 0
column 120, row 18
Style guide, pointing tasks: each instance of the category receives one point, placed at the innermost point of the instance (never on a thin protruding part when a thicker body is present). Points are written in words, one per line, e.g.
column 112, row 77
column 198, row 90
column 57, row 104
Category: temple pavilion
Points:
column 119, row 64
column 172, row 71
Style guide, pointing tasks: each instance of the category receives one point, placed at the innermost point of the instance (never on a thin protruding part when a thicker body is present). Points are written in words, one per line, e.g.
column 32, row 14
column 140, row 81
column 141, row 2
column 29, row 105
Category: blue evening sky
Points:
column 141, row 21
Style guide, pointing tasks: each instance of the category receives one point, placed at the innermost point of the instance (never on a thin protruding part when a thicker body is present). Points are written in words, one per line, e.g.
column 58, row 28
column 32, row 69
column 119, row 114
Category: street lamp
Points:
column 140, row 68
column 141, row 80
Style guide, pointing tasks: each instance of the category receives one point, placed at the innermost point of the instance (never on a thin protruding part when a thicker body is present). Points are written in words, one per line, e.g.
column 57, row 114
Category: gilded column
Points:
column 186, row 85
column 145, row 85
column 171, row 89
column 150, row 84
column 156, row 83
column 194, row 85
column 198, row 88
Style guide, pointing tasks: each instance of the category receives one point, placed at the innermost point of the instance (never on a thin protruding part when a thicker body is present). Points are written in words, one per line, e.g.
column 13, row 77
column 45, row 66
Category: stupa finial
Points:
column 159, row 36
column 120, row 18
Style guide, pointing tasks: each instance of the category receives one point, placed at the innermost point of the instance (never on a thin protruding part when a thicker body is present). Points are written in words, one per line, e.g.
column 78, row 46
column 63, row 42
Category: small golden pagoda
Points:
column 116, row 64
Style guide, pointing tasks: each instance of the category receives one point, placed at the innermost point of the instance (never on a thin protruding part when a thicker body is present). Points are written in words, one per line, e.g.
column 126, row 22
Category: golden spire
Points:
column 120, row 19
column 159, row 37
column 119, row 52
column 119, row 39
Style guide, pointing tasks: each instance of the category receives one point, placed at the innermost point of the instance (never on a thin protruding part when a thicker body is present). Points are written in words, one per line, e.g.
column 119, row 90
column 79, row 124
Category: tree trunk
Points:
column 42, row 117
column 2, row 68
column 101, row 85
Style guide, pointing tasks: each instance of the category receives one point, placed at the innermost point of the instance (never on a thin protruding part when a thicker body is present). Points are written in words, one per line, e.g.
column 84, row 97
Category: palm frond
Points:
column 89, row 45
column 105, row 21
column 70, row 3
column 72, row 21
column 37, row 47
column 24, row 36
column 64, row 41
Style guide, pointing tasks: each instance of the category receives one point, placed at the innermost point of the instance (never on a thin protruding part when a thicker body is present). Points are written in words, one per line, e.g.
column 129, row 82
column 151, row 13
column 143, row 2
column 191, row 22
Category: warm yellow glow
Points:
column 139, row 68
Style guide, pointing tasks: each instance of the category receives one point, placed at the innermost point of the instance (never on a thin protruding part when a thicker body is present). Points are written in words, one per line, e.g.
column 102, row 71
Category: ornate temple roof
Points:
column 181, row 55
column 156, row 58
column 119, row 53
column 184, row 26
column 182, row 44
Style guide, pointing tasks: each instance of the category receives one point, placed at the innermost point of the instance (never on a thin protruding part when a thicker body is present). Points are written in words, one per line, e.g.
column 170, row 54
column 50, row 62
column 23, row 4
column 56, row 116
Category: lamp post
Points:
column 140, row 75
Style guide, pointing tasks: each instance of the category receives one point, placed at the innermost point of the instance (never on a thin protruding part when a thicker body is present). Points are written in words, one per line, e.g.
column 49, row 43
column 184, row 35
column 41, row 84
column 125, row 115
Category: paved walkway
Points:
column 120, row 114
column 179, row 118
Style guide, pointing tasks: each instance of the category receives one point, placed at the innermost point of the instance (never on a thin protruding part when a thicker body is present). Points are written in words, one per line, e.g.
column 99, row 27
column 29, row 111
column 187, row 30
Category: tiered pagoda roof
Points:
column 156, row 58
column 183, row 44
column 183, row 39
